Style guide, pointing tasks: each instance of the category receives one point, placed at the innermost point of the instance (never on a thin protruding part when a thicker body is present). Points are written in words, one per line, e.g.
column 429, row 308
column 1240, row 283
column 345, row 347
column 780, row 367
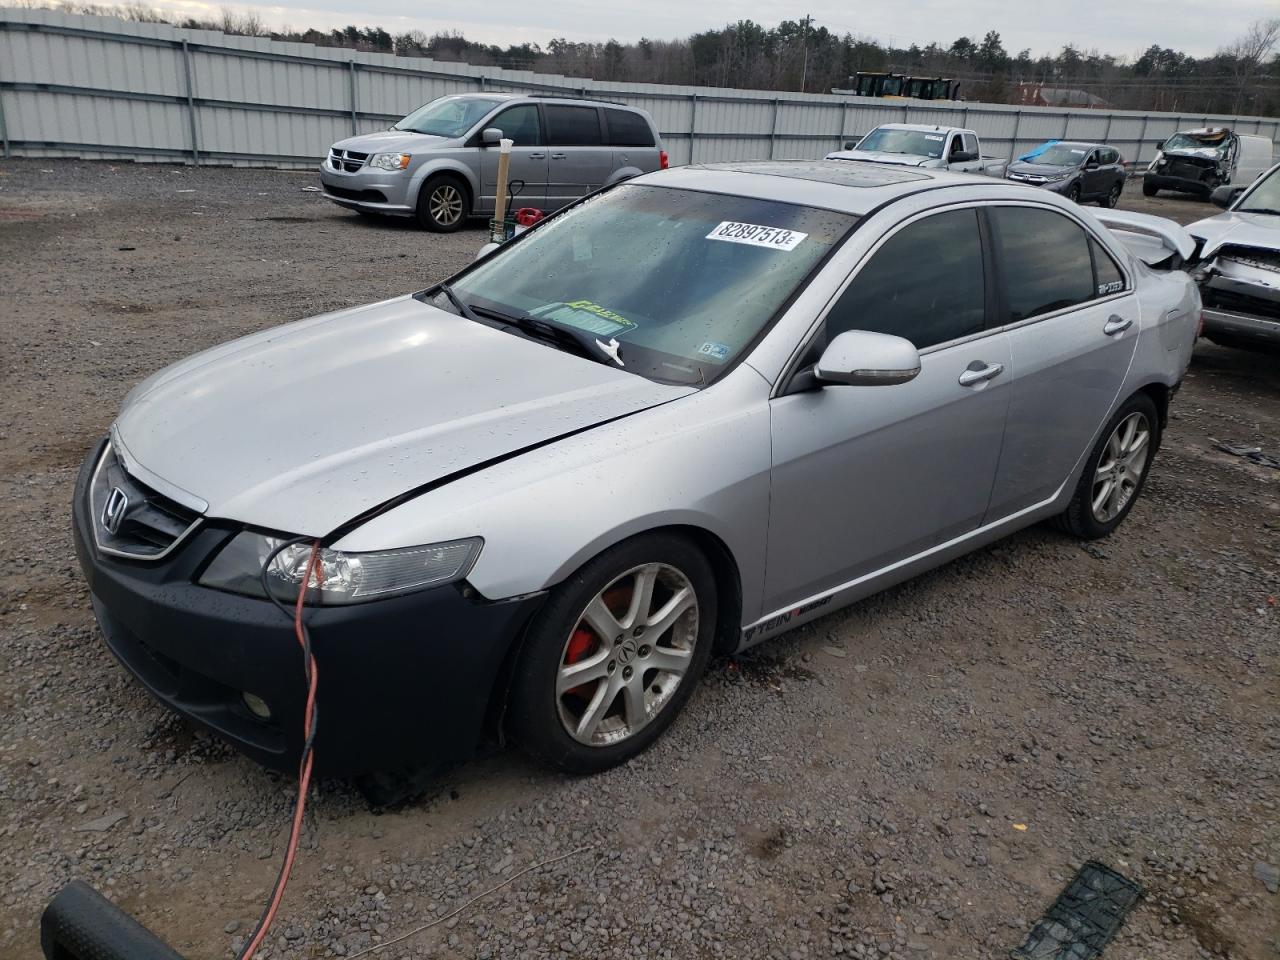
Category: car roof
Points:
column 552, row 98
column 849, row 186
column 919, row 127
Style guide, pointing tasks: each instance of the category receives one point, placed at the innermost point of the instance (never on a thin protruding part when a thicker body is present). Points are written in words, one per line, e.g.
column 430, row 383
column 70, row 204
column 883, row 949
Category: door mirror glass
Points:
column 963, row 156
column 490, row 136
column 861, row 358
column 1225, row 195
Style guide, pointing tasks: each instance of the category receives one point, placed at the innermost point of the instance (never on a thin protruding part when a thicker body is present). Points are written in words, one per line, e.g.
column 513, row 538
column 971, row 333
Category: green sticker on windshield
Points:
column 586, row 315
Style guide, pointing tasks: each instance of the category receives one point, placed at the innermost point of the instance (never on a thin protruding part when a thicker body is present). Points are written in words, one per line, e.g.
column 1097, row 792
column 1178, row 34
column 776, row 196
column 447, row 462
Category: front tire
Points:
column 1149, row 189
column 442, row 204
column 614, row 654
column 1073, row 192
column 1113, row 197
column 1115, row 472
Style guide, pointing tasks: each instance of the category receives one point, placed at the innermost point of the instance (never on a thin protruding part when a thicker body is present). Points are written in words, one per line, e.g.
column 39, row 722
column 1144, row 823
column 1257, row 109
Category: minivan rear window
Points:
column 573, row 126
column 627, row 129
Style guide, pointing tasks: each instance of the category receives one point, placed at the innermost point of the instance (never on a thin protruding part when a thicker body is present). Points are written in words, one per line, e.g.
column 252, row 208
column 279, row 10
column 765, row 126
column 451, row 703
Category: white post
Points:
column 504, row 169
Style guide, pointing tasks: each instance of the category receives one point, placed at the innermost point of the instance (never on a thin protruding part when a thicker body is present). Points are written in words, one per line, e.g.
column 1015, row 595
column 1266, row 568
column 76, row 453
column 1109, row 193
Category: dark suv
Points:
column 1079, row 171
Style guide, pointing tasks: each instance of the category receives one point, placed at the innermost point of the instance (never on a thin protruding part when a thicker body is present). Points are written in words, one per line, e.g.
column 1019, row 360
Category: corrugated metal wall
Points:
column 98, row 87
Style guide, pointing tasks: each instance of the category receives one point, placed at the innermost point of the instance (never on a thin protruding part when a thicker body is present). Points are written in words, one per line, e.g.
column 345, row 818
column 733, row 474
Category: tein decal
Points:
column 782, row 619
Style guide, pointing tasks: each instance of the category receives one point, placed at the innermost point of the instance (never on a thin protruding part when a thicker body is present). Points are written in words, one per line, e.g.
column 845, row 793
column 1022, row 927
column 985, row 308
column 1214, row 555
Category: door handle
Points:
column 1116, row 324
column 537, row 156
column 979, row 372
column 557, row 156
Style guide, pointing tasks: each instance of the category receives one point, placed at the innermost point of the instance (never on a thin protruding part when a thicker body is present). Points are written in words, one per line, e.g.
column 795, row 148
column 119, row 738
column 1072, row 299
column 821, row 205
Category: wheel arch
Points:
column 451, row 168
column 728, row 608
column 1160, row 394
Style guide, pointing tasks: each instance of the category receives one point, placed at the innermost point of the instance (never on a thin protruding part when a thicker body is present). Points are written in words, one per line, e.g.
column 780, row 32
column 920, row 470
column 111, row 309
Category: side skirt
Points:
column 811, row 608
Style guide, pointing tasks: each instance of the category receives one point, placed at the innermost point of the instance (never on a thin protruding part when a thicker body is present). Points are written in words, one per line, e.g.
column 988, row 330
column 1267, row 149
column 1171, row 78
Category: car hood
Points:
column 1248, row 229
column 904, row 159
column 303, row 427
column 1209, row 154
column 390, row 141
column 1040, row 169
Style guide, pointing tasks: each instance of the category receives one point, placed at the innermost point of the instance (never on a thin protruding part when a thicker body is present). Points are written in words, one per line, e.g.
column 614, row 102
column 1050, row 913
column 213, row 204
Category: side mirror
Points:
column 1091, row 165
column 1225, row 195
column 851, row 145
column 490, row 136
column 487, row 249
column 1160, row 145
column 963, row 156
column 861, row 358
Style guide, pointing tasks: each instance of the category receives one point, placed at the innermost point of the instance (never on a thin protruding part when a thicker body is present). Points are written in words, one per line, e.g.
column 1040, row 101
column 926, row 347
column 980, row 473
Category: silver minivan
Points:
column 440, row 163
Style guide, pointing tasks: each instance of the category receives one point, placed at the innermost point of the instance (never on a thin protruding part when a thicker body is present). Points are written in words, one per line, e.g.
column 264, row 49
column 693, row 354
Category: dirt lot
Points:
column 858, row 788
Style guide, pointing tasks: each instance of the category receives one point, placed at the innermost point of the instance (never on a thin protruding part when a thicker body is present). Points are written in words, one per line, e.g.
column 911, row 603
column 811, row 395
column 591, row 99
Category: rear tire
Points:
column 582, row 701
column 1115, row 472
column 443, row 204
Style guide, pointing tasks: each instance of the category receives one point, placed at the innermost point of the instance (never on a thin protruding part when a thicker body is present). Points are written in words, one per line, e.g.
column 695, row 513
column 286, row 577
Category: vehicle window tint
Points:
column 970, row 143
column 925, row 284
column 1106, row 273
column 573, row 126
column 627, row 129
column 1110, row 156
column 520, row 125
column 1045, row 258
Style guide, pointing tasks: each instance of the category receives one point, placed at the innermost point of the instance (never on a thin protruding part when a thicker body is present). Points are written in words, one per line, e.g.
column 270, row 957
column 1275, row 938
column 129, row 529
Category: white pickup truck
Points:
column 921, row 145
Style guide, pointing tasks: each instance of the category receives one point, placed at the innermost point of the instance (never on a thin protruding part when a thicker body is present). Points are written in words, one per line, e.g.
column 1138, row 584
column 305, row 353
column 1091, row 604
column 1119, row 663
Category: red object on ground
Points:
column 528, row 216
column 663, row 160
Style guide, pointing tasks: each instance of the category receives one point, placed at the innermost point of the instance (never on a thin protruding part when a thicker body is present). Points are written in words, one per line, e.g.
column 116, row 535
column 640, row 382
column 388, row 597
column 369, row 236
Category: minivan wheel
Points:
column 614, row 654
column 442, row 204
column 1113, row 197
column 1115, row 472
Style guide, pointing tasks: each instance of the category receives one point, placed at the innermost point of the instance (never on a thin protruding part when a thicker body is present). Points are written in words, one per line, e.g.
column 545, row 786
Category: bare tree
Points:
column 1249, row 53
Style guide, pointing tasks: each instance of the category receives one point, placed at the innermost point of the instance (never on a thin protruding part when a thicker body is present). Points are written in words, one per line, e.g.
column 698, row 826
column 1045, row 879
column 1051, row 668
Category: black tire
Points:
column 1073, row 192
column 1080, row 519
column 1113, row 197
column 534, row 716
column 443, row 204
column 1149, row 189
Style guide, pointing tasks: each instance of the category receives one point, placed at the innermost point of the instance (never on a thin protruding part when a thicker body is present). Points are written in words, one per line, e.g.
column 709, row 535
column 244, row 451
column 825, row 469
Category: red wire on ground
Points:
column 304, row 771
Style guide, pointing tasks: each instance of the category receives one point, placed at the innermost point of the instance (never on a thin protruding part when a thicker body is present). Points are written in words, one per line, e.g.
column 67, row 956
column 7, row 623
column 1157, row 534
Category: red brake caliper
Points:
column 581, row 645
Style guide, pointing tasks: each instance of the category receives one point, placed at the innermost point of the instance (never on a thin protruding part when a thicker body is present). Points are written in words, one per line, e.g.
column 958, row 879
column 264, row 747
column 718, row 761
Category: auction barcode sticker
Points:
column 775, row 238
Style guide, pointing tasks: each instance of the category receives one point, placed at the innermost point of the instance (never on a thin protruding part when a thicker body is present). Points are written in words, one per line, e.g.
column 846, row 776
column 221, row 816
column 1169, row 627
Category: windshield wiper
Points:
column 582, row 343
column 458, row 305
column 1258, row 210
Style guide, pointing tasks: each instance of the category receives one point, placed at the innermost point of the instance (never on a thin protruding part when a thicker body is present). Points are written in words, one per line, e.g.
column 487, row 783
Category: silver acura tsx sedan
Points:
column 683, row 415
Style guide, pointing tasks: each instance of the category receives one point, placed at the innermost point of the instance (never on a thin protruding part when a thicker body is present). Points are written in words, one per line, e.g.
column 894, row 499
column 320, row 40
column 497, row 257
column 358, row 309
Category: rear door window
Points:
column 924, row 284
column 627, row 129
column 573, row 126
column 1045, row 261
column 1106, row 273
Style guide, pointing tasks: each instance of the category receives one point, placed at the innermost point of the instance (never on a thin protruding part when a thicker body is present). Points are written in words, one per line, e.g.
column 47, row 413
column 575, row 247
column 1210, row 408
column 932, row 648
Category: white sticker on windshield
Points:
column 775, row 238
column 934, row 136
column 1077, row 152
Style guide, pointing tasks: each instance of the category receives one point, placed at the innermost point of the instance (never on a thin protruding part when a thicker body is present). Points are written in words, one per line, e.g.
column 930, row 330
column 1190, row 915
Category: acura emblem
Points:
column 113, row 512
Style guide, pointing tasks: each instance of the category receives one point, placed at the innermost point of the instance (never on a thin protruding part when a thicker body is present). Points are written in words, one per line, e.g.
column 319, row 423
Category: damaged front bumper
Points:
column 1241, row 294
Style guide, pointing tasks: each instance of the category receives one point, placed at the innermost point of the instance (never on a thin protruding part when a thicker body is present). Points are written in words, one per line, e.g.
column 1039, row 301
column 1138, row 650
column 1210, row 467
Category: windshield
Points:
column 1264, row 197
column 683, row 281
column 914, row 142
column 1059, row 155
column 448, row 116
column 1183, row 141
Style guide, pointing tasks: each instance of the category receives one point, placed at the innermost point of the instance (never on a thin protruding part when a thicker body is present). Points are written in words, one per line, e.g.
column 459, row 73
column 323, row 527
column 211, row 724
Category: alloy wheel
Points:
column 445, row 204
column 627, row 654
column 1114, row 198
column 1121, row 466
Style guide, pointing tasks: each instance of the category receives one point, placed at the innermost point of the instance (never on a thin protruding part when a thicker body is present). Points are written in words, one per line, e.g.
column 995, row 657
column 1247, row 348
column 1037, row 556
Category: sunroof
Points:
column 846, row 173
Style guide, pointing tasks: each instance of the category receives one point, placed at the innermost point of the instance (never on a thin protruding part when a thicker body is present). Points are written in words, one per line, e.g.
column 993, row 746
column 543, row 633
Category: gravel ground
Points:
column 858, row 788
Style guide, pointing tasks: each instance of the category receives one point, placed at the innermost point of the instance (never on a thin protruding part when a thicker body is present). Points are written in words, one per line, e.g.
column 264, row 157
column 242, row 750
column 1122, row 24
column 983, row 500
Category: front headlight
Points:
column 1055, row 177
column 343, row 577
column 389, row 161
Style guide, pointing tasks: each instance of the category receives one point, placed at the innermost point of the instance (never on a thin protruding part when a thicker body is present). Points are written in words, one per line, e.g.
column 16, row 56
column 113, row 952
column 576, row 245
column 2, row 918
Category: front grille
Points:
column 1259, row 257
column 1188, row 170
column 129, row 518
column 348, row 161
column 366, row 196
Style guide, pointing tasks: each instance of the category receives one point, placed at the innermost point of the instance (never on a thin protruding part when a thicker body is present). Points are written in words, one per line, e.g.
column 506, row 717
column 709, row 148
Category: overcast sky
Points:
column 1124, row 28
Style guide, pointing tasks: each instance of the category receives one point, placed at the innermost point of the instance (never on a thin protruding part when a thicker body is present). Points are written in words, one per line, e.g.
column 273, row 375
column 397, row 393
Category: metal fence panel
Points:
column 75, row 85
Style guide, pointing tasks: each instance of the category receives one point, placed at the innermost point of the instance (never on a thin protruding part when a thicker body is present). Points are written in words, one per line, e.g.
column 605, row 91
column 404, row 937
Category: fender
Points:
column 444, row 165
column 623, row 173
